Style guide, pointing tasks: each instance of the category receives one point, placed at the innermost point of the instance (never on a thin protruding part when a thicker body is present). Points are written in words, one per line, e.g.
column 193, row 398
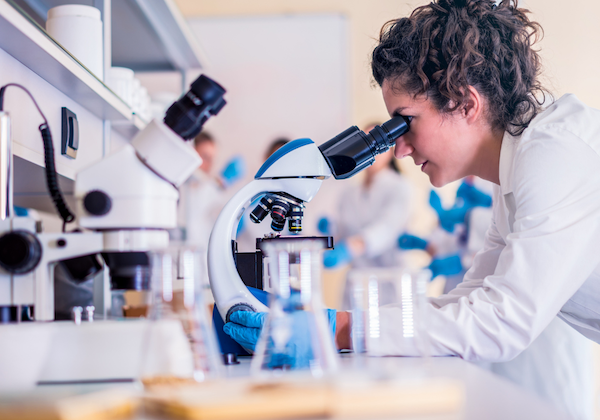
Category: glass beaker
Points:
column 296, row 335
column 388, row 311
column 180, row 341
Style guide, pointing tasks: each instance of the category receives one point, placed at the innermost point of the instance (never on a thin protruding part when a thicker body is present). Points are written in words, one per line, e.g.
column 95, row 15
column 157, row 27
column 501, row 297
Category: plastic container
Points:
column 121, row 81
column 388, row 302
column 78, row 29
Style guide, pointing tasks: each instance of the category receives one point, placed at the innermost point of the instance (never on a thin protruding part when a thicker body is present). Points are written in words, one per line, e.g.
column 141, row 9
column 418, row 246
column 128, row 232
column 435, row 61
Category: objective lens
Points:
column 295, row 219
column 279, row 212
column 261, row 210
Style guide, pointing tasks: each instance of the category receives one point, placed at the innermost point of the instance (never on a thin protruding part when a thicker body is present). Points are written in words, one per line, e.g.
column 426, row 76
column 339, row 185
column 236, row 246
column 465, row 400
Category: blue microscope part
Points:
column 282, row 151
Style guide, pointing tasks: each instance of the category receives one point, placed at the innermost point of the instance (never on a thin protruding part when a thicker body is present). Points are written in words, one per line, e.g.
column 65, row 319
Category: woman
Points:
column 466, row 72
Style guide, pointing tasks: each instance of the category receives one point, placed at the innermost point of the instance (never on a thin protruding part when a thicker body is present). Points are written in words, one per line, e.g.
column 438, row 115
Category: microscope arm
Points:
column 230, row 292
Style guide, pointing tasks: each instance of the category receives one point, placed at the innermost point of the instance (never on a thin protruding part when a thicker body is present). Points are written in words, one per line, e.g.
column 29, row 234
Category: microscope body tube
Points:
column 228, row 289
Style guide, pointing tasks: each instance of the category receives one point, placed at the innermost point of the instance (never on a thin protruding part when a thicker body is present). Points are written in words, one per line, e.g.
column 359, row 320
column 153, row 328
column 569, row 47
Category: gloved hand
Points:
column 448, row 218
column 447, row 266
column 472, row 196
column 324, row 226
column 339, row 255
column 234, row 170
column 245, row 328
column 406, row 241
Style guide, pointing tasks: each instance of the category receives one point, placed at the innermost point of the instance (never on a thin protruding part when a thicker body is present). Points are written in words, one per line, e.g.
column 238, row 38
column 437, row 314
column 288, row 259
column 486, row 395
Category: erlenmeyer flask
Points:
column 180, row 341
column 296, row 335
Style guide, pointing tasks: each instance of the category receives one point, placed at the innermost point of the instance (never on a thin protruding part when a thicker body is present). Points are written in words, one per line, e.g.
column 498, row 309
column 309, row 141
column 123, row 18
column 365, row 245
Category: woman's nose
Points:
column 403, row 149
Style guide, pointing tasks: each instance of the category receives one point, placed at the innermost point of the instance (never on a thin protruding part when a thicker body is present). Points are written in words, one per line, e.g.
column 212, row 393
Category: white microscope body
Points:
column 297, row 169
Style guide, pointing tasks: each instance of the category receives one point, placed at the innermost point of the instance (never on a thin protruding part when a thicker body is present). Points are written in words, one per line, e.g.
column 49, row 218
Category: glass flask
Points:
column 296, row 335
column 180, row 342
column 388, row 305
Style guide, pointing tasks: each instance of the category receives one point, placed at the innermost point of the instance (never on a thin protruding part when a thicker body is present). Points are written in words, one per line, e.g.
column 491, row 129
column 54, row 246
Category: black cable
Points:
column 51, row 175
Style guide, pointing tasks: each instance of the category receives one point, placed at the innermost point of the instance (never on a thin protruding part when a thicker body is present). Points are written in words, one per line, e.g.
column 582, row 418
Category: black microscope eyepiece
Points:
column 187, row 116
column 353, row 150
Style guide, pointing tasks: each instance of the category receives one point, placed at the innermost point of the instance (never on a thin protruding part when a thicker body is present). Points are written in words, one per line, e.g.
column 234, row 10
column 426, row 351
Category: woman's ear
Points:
column 473, row 107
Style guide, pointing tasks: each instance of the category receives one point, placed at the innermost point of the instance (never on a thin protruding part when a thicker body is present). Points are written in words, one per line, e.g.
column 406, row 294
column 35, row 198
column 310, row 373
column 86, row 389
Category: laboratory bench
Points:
column 485, row 395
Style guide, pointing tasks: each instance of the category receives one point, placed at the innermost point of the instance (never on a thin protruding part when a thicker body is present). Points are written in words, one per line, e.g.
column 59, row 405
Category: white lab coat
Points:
column 541, row 255
column 379, row 215
column 557, row 366
column 200, row 201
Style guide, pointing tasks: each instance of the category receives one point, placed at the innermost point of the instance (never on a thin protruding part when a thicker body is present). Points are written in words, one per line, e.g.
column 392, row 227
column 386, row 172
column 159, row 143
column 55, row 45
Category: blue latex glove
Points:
column 452, row 217
column 245, row 328
column 448, row 218
column 447, row 266
column 472, row 196
column 20, row 211
column 324, row 226
column 234, row 170
column 339, row 255
column 406, row 241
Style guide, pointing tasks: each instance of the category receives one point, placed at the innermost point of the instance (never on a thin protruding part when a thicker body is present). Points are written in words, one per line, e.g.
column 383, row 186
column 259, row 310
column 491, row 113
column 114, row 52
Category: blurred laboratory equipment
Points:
column 126, row 202
column 78, row 28
column 180, row 341
column 296, row 334
column 388, row 303
column 288, row 179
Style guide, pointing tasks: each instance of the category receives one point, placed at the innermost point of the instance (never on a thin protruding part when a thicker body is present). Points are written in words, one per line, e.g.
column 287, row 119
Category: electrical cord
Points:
column 51, row 176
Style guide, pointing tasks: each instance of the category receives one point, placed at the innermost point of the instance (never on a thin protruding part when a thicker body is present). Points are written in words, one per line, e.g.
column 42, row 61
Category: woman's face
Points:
column 444, row 145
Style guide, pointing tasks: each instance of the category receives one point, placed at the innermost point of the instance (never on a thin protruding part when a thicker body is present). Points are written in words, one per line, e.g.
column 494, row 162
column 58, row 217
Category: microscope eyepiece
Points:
column 187, row 116
column 353, row 150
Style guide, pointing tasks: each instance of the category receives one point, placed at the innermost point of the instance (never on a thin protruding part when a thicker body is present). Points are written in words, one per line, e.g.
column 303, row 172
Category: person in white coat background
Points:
column 370, row 217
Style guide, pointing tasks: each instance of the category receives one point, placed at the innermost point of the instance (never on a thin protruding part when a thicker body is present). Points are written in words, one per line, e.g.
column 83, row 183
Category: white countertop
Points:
column 487, row 396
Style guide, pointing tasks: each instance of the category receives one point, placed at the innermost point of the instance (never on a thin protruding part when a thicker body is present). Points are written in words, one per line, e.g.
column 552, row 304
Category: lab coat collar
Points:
column 507, row 152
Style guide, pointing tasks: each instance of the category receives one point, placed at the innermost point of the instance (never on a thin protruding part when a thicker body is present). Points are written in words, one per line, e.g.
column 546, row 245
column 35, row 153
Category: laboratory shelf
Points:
column 147, row 35
column 129, row 129
column 30, row 45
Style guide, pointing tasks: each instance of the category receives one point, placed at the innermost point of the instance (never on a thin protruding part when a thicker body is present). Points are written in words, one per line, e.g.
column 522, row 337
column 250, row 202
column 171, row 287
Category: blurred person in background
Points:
column 370, row 217
column 202, row 197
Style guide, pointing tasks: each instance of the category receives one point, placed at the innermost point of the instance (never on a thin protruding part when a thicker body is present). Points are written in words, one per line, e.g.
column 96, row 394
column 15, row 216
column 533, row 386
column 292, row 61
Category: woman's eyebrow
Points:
column 398, row 111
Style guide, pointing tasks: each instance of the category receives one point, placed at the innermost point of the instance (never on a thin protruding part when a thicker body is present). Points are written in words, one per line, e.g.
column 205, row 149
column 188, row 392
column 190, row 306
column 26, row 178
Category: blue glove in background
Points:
column 234, row 170
column 245, row 327
column 448, row 218
column 447, row 266
column 324, row 226
column 472, row 196
column 337, row 256
column 452, row 217
column 20, row 211
column 406, row 241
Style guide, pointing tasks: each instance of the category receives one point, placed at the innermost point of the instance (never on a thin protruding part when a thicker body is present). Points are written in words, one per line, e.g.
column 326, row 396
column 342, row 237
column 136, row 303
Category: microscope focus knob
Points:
column 97, row 203
column 20, row 252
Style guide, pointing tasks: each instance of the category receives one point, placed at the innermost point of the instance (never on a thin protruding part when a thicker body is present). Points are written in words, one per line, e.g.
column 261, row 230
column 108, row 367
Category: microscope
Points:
column 289, row 178
column 126, row 202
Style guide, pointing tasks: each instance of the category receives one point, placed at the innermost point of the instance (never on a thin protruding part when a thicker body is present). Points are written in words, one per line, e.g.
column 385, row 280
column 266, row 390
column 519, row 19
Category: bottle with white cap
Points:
column 78, row 29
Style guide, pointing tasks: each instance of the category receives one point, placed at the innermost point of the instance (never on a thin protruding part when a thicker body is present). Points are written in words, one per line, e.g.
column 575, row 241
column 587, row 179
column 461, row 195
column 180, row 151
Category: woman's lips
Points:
column 423, row 165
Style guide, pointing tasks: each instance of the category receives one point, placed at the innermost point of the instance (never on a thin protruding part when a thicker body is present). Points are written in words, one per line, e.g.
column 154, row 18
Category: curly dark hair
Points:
column 449, row 45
